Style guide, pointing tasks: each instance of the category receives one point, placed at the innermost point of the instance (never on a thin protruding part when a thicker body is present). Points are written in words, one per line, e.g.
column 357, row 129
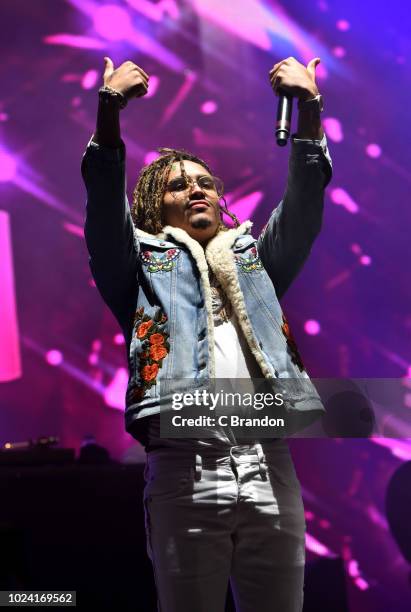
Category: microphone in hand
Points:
column 283, row 122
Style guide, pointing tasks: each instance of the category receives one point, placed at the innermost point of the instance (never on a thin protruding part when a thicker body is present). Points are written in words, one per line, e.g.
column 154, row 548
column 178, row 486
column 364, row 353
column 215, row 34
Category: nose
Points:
column 194, row 187
column 195, row 192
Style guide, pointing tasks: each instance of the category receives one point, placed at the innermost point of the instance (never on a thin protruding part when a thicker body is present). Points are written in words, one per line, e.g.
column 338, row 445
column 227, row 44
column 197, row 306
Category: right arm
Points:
column 109, row 231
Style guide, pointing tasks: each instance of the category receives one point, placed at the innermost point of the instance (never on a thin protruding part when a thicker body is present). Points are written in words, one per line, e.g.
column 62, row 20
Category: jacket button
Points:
column 201, row 304
column 202, row 334
column 202, row 365
column 162, row 244
column 261, row 344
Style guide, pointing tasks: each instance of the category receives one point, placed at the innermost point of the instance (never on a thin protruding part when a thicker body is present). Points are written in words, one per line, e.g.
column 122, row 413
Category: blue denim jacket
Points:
column 158, row 288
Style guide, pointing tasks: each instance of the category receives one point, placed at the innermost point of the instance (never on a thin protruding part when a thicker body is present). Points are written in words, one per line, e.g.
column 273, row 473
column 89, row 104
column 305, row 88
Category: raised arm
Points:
column 109, row 231
column 286, row 240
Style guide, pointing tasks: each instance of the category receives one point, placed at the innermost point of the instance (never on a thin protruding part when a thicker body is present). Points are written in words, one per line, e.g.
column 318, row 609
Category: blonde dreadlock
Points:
column 149, row 190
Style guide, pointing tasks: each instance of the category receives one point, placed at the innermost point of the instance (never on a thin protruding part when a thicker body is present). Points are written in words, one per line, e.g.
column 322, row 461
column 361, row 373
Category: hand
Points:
column 294, row 79
column 129, row 79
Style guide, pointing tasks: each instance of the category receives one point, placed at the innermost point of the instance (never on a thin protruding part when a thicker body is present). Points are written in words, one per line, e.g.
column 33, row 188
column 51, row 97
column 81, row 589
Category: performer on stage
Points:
column 198, row 300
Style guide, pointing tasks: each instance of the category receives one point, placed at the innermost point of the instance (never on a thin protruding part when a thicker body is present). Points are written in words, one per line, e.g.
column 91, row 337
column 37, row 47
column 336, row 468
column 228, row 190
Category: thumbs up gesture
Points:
column 295, row 79
column 129, row 79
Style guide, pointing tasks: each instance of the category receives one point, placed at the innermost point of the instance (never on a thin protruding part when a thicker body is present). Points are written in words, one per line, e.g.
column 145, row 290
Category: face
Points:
column 194, row 208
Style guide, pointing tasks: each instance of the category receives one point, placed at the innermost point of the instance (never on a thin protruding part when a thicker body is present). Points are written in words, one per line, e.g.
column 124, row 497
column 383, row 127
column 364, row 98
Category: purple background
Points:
column 210, row 93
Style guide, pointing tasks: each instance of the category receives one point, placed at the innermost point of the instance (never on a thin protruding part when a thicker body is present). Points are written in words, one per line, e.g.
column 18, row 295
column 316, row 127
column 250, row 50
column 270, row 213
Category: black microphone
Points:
column 283, row 123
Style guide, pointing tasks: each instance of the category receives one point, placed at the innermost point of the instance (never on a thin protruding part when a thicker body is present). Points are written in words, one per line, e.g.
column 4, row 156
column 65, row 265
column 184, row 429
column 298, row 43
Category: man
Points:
column 198, row 301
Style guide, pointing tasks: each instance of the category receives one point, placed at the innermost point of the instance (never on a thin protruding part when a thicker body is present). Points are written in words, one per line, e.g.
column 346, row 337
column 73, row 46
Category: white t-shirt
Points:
column 233, row 358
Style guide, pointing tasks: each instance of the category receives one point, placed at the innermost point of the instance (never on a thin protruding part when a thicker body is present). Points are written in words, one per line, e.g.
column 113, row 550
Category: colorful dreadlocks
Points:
column 149, row 190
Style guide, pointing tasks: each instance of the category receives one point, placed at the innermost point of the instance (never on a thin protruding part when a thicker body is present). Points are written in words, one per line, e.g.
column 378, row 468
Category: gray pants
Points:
column 213, row 516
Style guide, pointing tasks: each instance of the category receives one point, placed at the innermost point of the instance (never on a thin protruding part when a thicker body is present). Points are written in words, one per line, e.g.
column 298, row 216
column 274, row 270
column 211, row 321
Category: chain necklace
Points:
column 221, row 305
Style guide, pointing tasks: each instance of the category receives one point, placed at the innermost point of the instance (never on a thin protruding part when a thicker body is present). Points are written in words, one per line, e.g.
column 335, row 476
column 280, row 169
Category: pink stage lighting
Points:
column 10, row 361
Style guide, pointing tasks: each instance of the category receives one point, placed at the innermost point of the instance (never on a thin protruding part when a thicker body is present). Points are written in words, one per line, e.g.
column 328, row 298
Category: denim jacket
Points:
column 158, row 288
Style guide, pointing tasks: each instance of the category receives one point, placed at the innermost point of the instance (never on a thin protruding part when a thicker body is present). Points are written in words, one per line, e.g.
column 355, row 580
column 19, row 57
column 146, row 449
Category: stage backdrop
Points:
column 63, row 362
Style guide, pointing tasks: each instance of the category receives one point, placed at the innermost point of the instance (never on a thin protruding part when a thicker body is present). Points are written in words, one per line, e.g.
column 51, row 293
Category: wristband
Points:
column 107, row 93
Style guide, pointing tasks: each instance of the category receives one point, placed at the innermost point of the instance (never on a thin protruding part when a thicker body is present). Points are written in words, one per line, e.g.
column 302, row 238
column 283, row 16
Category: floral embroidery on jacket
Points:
column 155, row 347
column 295, row 355
column 163, row 262
column 249, row 261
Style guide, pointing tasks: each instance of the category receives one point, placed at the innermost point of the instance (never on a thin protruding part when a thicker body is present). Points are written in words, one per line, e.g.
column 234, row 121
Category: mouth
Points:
column 198, row 204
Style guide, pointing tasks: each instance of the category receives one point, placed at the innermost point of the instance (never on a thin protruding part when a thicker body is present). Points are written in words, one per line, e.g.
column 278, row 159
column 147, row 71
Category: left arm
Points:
column 286, row 240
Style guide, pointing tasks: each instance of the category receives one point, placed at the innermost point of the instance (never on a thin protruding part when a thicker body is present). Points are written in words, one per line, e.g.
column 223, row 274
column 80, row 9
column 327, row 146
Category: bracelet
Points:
column 107, row 93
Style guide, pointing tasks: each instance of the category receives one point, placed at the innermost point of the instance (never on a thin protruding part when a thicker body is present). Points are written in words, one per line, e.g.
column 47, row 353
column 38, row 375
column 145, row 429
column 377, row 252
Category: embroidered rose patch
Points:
column 155, row 347
column 295, row 355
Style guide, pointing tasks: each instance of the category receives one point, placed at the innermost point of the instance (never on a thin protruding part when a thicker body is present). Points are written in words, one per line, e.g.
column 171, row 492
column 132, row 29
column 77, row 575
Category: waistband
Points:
column 219, row 450
column 255, row 453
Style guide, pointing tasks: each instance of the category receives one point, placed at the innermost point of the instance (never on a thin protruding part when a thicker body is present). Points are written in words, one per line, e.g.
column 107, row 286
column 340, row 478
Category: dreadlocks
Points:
column 149, row 190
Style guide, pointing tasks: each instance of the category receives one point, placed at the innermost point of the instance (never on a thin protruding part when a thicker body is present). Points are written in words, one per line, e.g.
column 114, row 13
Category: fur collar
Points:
column 184, row 237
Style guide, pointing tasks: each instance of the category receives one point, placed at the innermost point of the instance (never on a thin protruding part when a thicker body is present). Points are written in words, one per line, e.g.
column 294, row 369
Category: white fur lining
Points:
column 221, row 259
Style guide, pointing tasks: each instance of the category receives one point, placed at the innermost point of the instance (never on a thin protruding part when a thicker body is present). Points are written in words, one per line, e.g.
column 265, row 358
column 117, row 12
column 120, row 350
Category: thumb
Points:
column 108, row 68
column 312, row 65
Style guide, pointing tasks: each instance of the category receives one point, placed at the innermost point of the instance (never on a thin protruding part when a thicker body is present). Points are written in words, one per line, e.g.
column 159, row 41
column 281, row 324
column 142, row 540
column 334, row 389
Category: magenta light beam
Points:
column 179, row 98
column 10, row 361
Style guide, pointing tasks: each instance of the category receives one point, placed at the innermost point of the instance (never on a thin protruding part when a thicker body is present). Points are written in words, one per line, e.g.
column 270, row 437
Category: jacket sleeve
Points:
column 286, row 240
column 110, row 238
